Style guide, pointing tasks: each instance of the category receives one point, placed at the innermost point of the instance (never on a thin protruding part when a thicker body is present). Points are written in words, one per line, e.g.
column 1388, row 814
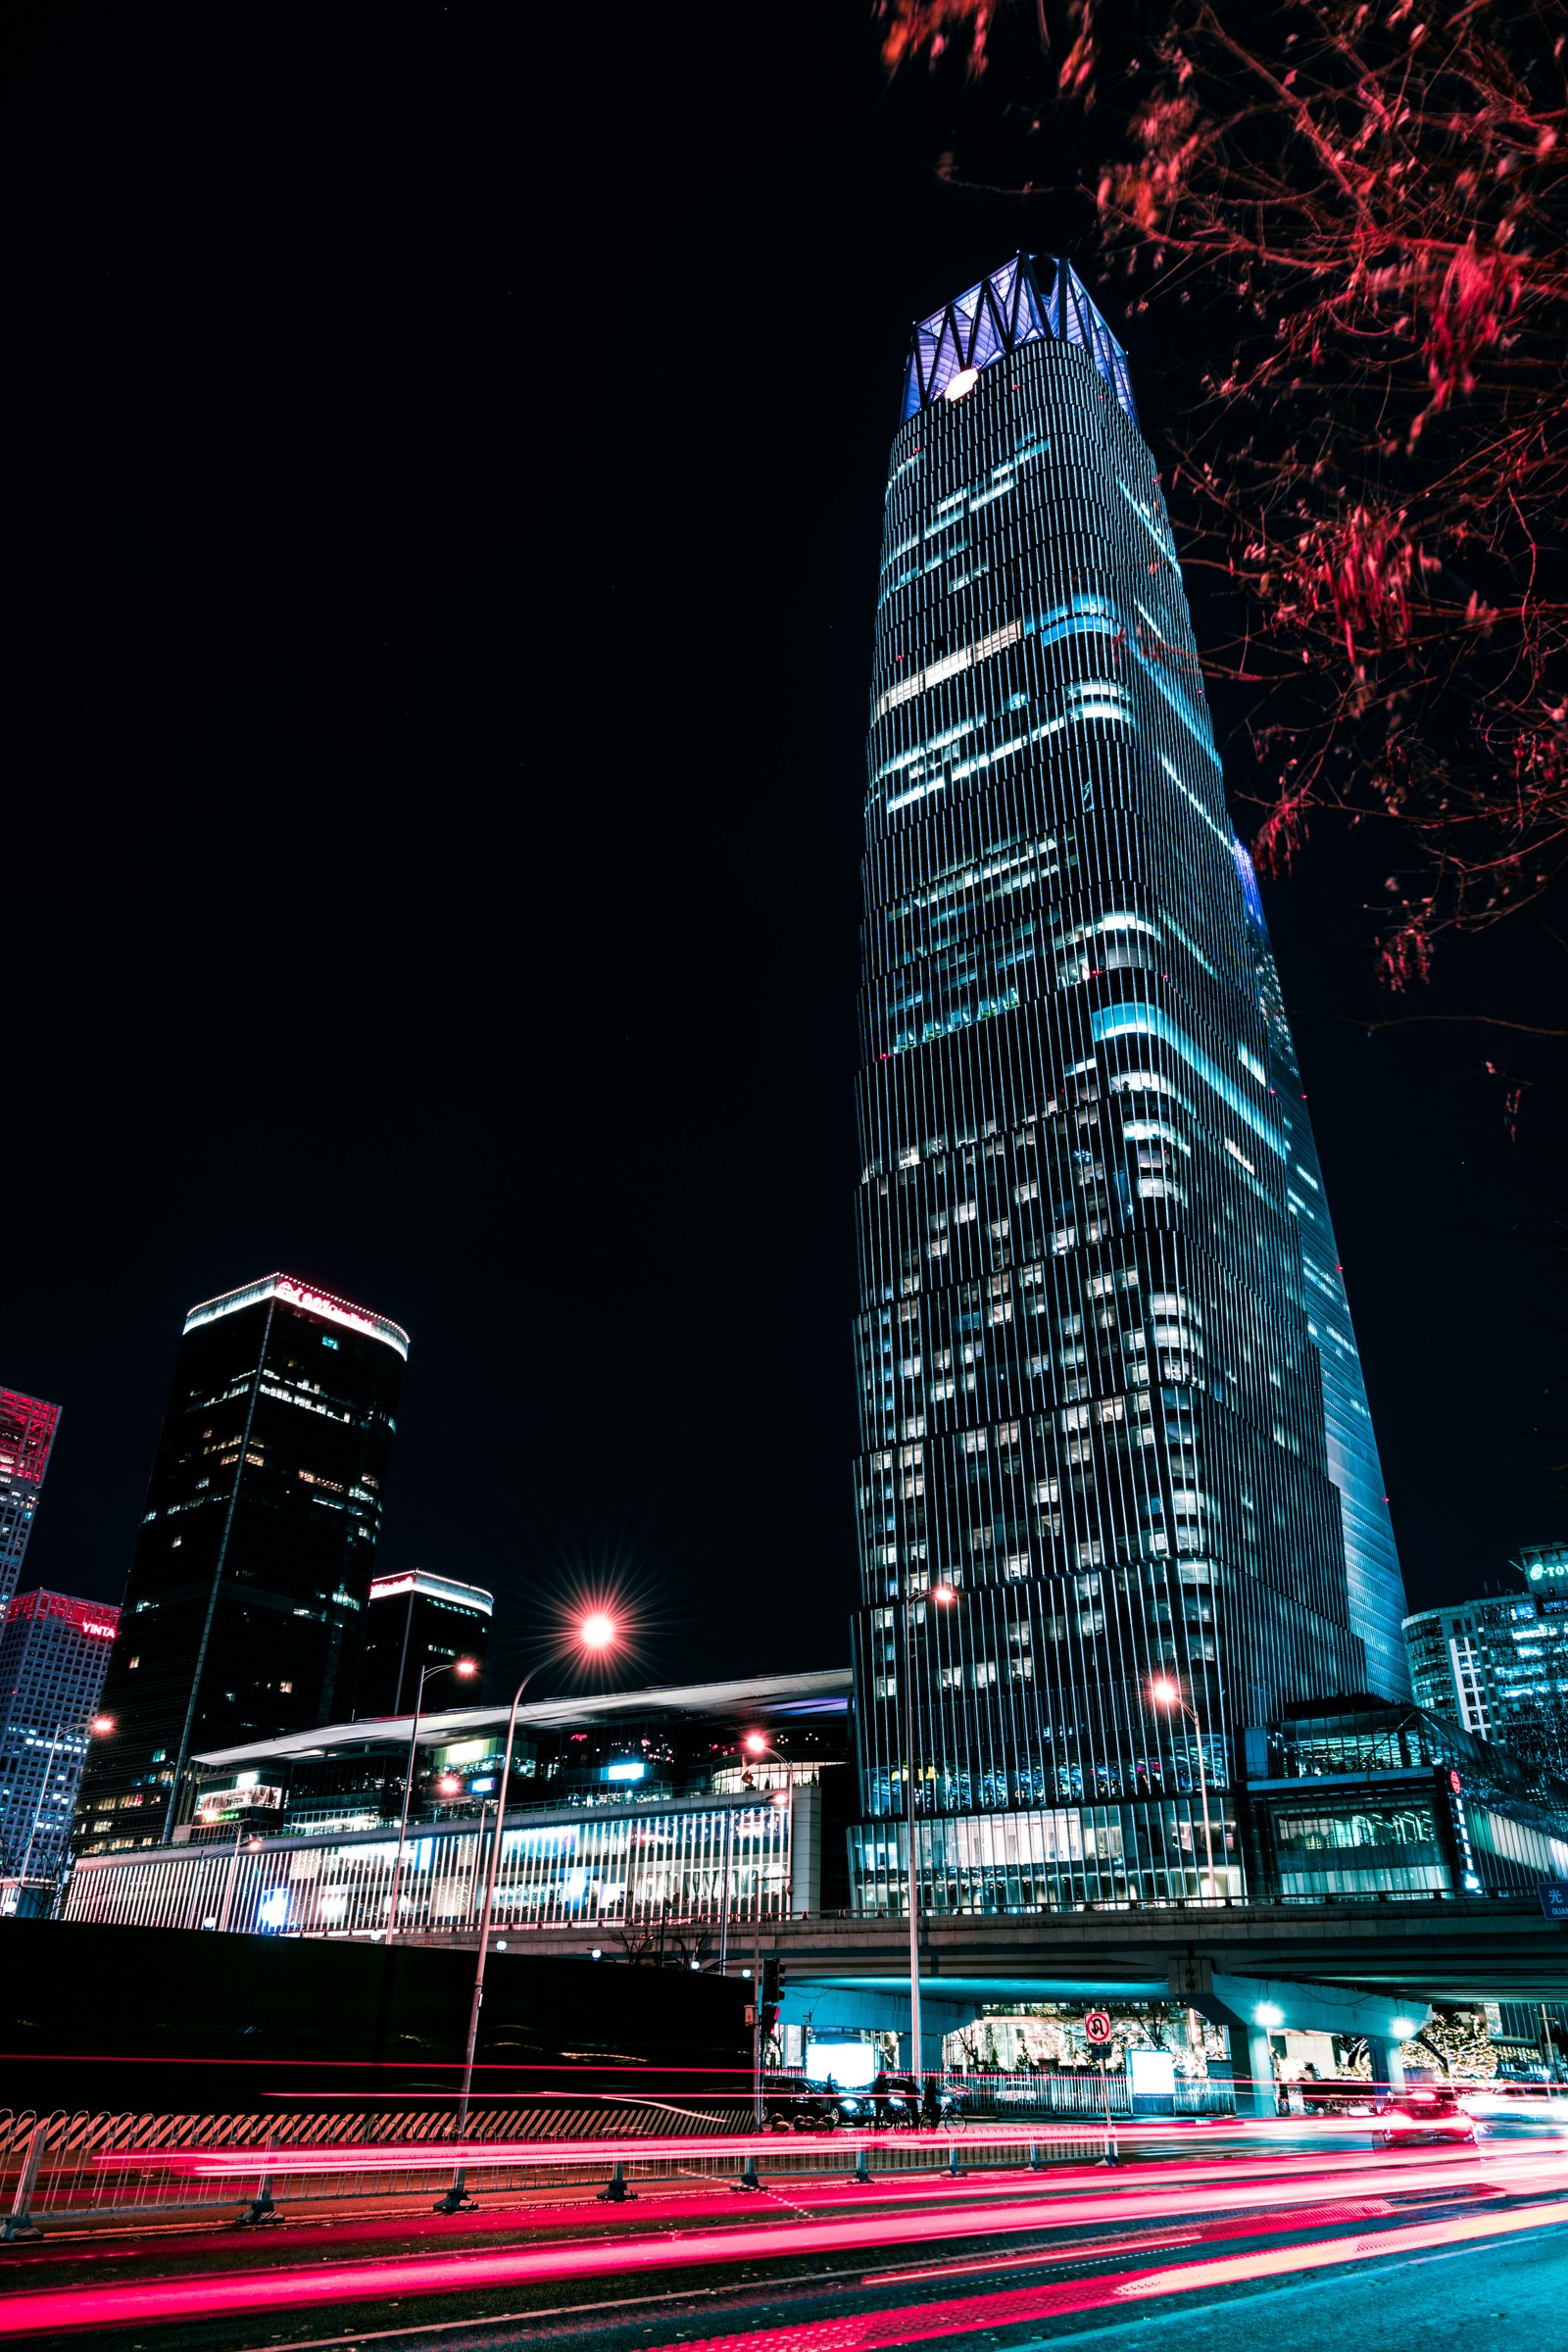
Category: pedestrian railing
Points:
column 1018, row 2094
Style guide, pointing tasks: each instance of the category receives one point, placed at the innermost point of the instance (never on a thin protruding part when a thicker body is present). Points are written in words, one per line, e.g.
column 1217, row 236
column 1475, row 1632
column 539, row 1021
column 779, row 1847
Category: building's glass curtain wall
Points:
column 1371, row 1560
column 1090, row 1384
column 702, row 1865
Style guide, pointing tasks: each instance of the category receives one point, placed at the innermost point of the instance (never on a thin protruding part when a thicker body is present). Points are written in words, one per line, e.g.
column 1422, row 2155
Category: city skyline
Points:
column 379, row 1129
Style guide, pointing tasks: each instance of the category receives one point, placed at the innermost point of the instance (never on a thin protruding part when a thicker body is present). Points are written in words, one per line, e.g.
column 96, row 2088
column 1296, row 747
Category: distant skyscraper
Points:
column 54, row 1650
column 1499, row 1665
column 243, row 1615
column 1108, row 1382
column 27, row 1438
column 416, row 1620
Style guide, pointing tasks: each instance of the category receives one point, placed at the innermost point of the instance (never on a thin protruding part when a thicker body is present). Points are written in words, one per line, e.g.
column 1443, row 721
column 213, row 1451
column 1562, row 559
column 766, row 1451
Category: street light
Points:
column 597, row 1632
column 943, row 1595
column 1166, row 1693
column 464, row 1666
column 99, row 1724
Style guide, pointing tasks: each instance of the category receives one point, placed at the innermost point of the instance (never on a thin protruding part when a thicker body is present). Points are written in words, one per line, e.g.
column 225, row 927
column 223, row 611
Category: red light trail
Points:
column 454, row 2271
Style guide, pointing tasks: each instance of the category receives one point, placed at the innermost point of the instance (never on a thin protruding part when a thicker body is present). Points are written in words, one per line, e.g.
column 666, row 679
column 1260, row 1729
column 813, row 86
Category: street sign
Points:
column 1097, row 2026
column 1554, row 1900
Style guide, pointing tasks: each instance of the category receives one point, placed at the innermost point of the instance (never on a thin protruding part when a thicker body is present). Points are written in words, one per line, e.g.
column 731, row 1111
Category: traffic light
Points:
column 773, row 1994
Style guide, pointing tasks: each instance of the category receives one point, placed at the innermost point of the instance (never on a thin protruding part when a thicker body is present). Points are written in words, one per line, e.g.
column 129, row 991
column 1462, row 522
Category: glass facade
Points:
column 27, row 1428
column 52, row 1654
column 1394, row 1802
column 1500, row 1668
column 244, row 1609
column 1093, row 1362
column 1372, row 1571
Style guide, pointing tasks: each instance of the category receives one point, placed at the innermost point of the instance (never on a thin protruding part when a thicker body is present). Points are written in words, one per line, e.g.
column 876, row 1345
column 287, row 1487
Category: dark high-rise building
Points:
column 54, row 1650
column 416, row 1620
column 244, row 1611
column 27, row 1428
column 1108, row 1384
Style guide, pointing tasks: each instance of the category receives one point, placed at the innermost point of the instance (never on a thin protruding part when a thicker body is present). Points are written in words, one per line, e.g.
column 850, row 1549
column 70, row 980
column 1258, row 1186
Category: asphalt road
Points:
column 1315, row 2248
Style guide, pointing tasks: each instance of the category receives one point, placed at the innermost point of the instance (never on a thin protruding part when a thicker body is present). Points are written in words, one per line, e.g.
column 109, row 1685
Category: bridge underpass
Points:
column 1348, row 1969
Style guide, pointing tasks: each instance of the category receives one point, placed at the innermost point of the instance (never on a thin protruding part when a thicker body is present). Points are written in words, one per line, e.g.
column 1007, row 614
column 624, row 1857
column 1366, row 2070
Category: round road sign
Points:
column 1097, row 2026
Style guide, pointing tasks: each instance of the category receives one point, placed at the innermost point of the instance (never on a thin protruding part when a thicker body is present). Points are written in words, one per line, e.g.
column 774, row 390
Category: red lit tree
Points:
column 1358, row 216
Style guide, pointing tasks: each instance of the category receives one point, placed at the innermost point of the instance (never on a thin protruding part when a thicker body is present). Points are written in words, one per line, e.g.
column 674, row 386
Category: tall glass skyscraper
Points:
column 1107, row 1385
column 244, row 1612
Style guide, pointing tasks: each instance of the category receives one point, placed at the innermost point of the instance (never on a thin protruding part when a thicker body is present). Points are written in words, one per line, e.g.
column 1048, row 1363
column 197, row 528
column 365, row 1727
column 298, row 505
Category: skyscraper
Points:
column 1105, row 1394
column 26, row 1440
column 243, row 1615
column 416, row 1621
column 54, row 1650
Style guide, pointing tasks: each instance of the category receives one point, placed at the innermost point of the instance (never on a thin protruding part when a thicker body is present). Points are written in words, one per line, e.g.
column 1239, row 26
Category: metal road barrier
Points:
column 65, row 2172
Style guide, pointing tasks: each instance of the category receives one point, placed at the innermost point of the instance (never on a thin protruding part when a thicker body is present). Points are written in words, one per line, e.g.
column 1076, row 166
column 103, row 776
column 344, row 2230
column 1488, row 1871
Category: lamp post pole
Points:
column 1166, row 1694
column 598, row 1633
column 227, row 1905
column 447, row 1666
column 915, row 2049
column 945, row 1594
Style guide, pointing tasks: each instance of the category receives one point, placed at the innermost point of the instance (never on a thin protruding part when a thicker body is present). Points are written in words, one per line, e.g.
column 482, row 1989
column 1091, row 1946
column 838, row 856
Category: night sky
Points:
column 445, row 502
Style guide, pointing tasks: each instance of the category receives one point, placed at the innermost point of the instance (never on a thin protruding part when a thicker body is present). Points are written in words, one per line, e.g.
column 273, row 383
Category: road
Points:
column 1385, row 2249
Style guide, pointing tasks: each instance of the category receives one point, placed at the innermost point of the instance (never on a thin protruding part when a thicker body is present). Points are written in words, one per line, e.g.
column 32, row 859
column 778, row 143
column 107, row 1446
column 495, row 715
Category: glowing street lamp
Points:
column 1166, row 1693
column 596, row 1633
column 943, row 1595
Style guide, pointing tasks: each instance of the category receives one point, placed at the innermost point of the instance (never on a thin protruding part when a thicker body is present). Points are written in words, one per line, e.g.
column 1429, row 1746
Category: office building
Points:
column 244, row 1610
column 27, row 1428
column 688, row 1813
column 54, row 1650
column 1499, row 1665
column 412, row 1622
column 1108, row 1388
column 696, row 1809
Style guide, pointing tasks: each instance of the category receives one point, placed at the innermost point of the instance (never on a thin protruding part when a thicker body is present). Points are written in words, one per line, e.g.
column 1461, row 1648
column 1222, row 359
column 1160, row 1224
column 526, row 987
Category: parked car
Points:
column 790, row 2103
column 1404, row 2115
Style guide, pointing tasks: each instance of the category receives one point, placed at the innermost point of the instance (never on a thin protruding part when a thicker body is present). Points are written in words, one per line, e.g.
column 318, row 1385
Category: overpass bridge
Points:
column 1355, row 1968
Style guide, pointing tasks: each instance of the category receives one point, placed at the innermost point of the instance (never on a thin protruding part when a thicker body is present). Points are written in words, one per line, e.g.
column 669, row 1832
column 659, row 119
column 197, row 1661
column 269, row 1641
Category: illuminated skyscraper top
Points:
column 27, row 1428
column 1093, row 1336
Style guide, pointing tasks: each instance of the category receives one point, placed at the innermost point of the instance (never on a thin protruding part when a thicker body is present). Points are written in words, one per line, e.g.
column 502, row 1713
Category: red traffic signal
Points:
column 1097, row 2026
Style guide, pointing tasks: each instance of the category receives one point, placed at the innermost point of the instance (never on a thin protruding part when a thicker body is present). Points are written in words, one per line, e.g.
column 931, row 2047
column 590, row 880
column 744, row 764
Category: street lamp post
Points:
column 597, row 1633
column 1166, row 1693
column 99, row 1724
column 945, row 1595
column 756, row 1745
column 227, row 1907
column 446, row 1666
